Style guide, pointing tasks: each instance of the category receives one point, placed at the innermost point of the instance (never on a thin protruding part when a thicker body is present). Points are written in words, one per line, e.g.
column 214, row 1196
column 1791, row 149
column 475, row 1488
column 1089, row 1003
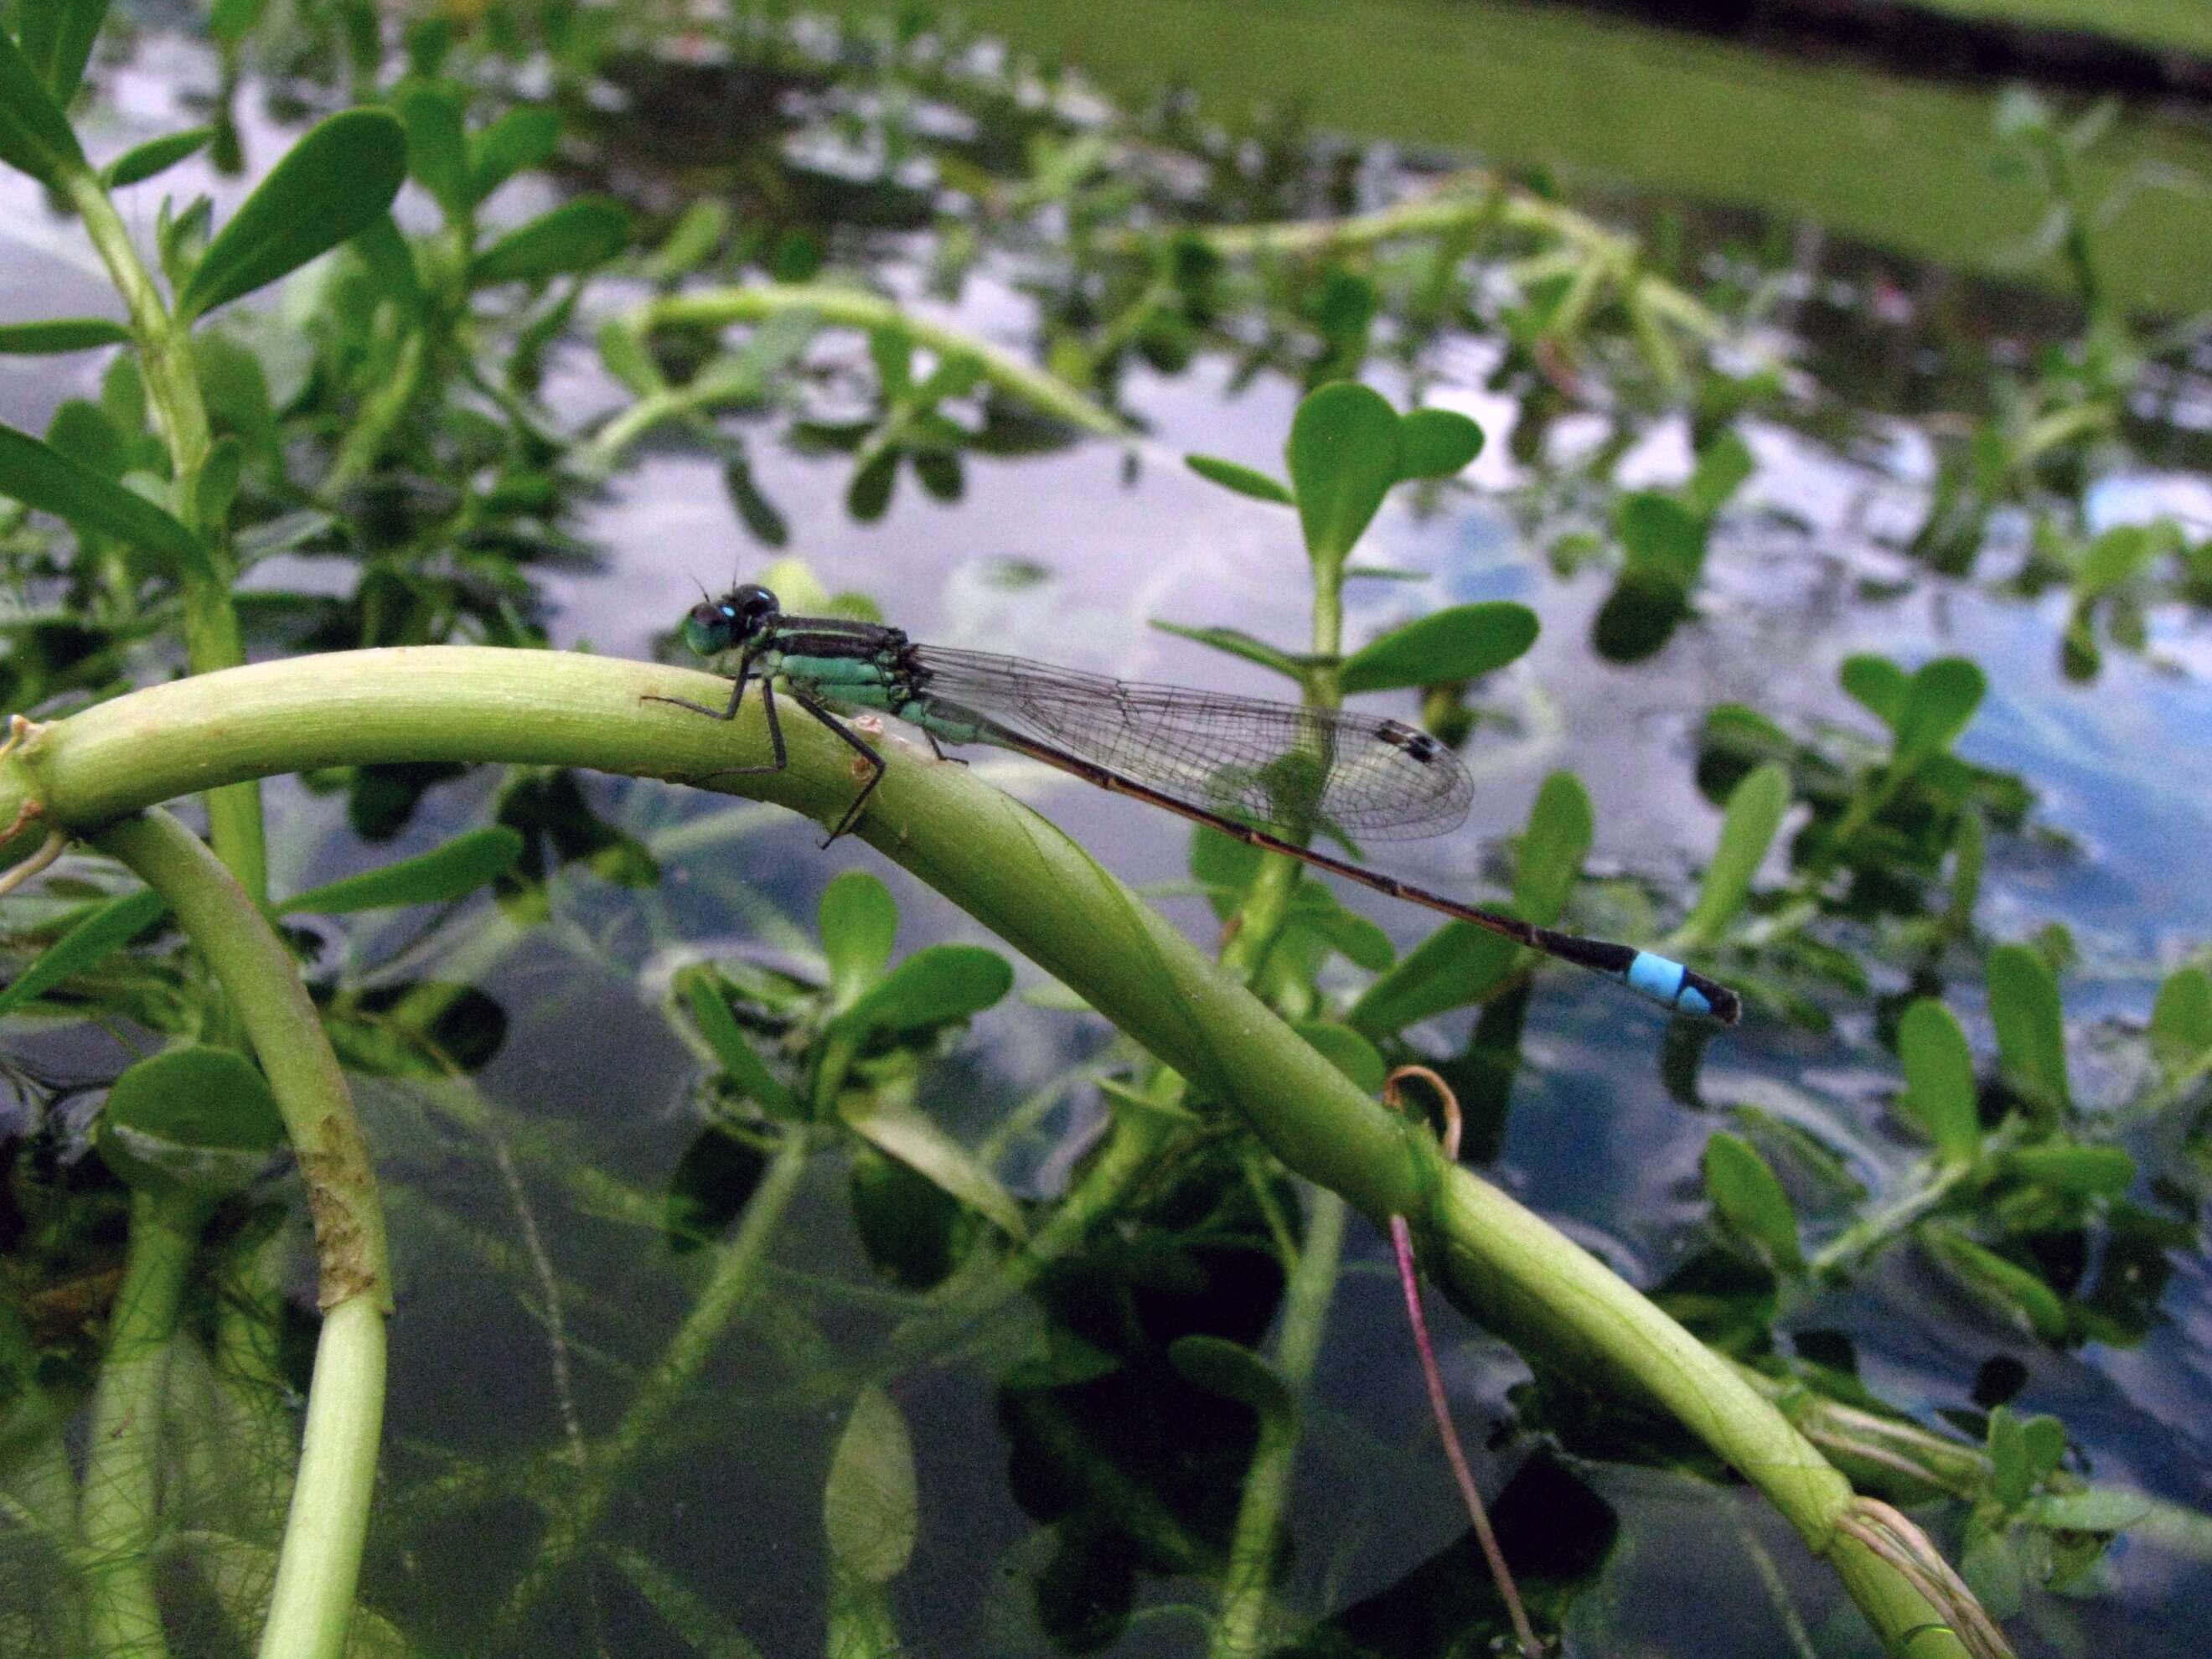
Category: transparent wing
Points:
column 1276, row 766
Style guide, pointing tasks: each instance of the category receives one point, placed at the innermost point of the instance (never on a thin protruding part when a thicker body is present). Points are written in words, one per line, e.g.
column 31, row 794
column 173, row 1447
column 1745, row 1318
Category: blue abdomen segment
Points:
column 1667, row 982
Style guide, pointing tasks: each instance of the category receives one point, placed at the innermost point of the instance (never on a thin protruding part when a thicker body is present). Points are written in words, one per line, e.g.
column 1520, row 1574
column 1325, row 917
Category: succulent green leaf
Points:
column 2003, row 1284
column 1750, row 1199
column 935, row 986
column 955, row 376
column 2012, row 1476
column 903, row 1132
column 232, row 21
column 1238, row 643
column 391, row 264
column 576, row 236
column 2181, row 1019
column 83, row 432
column 2044, row 1440
column 624, row 354
column 111, row 926
column 1938, row 704
column 59, row 334
column 1435, row 443
column 2119, row 554
column 700, row 988
column 517, row 141
column 2074, row 1168
column 1721, row 472
column 1460, row 643
column 1939, row 1079
column 1242, row 479
column 1343, row 456
column 1879, row 684
column 438, row 147
column 1561, row 825
column 236, row 389
column 870, row 1507
column 336, row 181
column 180, row 238
column 859, row 921
column 1458, row 964
column 153, row 157
column 2100, row 1510
column 2031, row 1030
column 1754, row 812
column 697, row 232
column 891, row 351
column 1362, row 942
column 35, row 136
column 1989, row 1564
column 1662, row 535
column 439, row 877
column 41, row 477
column 57, row 40
column 193, row 1121
column 1229, row 1370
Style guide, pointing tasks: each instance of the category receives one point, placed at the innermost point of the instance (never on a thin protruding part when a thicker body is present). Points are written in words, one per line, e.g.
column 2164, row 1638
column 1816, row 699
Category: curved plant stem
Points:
column 312, row 1605
column 856, row 307
column 1028, row 882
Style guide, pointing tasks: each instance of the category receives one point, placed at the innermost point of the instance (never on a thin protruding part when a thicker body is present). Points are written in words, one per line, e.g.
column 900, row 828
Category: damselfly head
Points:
column 718, row 625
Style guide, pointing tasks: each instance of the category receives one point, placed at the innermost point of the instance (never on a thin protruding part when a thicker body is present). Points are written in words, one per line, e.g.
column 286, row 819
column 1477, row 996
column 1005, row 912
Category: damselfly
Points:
column 1271, row 775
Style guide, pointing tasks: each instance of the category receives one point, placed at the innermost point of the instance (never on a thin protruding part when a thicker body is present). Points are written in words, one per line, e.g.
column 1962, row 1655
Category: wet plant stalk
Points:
column 1241, row 1630
column 319, row 1564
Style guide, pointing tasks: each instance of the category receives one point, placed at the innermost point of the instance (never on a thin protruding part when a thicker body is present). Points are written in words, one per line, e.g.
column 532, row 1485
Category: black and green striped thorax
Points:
column 858, row 665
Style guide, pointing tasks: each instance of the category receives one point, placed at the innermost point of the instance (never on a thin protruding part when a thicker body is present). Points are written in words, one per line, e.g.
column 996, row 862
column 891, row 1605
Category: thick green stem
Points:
column 311, row 1609
column 1242, row 1631
column 320, row 1562
column 1021, row 878
column 119, row 1516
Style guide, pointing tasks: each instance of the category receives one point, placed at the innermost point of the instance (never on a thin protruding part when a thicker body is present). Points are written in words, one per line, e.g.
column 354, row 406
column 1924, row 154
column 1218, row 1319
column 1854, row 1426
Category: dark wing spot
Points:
column 1418, row 744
